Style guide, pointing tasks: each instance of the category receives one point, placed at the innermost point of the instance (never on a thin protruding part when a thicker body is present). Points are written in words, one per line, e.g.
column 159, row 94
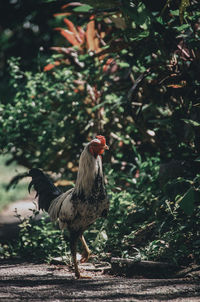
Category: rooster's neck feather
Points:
column 89, row 168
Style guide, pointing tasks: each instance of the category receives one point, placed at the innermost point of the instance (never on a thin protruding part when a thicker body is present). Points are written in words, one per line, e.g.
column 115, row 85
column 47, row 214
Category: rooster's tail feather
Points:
column 44, row 187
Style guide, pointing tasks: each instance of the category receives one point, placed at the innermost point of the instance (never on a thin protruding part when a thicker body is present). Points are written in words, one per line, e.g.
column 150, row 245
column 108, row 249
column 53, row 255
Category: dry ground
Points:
column 20, row 281
column 42, row 282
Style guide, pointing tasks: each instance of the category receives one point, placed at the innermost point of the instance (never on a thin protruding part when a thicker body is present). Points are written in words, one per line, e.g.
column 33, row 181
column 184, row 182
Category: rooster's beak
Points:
column 106, row 147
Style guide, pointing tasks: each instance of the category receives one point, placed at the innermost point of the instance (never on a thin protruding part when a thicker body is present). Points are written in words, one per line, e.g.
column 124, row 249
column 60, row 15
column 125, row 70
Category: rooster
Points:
column 79, row 207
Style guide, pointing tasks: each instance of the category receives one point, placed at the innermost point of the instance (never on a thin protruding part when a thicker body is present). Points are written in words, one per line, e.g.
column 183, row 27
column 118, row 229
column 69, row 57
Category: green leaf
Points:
column 175, row 12
column 187, row 201
column 191, row 122
column 83, row 8
column 182, row 27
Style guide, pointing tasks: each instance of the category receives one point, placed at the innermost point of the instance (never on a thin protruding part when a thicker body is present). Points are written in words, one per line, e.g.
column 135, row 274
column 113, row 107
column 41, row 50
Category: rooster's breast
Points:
column 80, row 212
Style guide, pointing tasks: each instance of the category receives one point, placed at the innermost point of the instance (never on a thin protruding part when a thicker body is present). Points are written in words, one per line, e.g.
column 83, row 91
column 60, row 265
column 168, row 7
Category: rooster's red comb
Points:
column 102, row 139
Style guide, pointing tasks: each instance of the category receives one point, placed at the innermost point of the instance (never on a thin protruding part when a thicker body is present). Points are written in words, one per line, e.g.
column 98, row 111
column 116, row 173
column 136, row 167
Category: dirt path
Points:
column 20, row 281
column 9, row 221
column 42, row 282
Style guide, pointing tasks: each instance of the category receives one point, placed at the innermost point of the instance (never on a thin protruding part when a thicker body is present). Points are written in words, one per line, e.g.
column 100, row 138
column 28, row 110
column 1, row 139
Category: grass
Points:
column 6, row 174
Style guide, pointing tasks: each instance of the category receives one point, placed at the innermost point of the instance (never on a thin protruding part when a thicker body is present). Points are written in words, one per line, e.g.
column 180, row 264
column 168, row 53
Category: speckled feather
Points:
column 79, row 207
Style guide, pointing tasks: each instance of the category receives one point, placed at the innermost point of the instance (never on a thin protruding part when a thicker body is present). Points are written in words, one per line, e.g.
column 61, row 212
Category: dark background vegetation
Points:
column 130, row 71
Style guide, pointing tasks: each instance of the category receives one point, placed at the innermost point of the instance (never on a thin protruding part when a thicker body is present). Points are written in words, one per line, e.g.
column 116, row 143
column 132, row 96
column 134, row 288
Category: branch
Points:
column 136, row 82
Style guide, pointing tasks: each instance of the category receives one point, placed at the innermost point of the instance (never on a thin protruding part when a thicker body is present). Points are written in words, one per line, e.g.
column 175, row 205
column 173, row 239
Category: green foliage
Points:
column 135, row 79
column 144, row 222
column 39, row 240
column 7, row 172
column 187, row 202
column 44, row 119
column 25, row 32
column 140, row 95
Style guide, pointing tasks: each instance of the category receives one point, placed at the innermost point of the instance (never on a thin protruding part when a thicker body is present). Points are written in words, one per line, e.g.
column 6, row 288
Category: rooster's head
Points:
column 97, row 146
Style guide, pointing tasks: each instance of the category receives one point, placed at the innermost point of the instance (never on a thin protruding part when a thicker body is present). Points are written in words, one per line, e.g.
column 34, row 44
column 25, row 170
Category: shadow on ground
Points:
column 36, row 282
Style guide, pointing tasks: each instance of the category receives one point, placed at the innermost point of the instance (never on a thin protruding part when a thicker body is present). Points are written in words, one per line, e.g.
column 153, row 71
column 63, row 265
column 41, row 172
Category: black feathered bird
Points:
column 46, row 190
column 80, row 206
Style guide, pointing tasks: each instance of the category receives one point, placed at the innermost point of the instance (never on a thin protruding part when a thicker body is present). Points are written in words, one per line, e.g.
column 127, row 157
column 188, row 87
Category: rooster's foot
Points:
column 80, row 276
column 84, row 277
column 85, row 256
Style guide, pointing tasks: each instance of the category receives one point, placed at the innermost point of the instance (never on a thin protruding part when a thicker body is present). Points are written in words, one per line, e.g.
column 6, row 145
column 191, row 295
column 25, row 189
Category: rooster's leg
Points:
column 73, row 244
column 86, row 251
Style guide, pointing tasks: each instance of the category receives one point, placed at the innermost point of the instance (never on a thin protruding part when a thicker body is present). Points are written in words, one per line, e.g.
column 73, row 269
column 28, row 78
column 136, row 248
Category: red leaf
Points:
column 105, row 68
column 137, row 174
column 81, row 33
column 51, row 65
column 71, row 4
column 91, row 37
column 180, row 85
column 109, row 61
column 73, row 29
column 62, row 49
column 69, row 36
column 70, row 26
column 61, row 14
column 110, row 66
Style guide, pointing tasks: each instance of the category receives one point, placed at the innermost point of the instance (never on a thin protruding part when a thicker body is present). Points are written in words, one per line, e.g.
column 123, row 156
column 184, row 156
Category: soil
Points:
column 8, row 220
column 26, row 281
column 42, row 282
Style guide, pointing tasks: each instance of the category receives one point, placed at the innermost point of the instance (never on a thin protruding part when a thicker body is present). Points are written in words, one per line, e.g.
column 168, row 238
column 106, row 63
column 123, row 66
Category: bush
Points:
column 144, row 222
column 44, row 120
column 135, row 80
column 39, row 240
column 7, row 173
